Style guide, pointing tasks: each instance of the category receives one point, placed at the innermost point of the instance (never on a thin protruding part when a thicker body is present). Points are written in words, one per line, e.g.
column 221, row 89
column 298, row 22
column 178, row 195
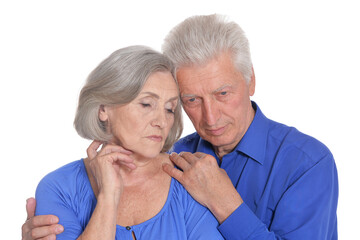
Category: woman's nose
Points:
column 160, row 119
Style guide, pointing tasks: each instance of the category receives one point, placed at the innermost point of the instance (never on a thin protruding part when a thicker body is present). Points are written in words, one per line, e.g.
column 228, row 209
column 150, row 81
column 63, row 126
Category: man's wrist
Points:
column 226, row 207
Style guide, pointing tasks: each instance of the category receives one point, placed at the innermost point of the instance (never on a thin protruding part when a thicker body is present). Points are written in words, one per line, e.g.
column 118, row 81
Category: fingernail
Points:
column 54, row 220
column 59, row 229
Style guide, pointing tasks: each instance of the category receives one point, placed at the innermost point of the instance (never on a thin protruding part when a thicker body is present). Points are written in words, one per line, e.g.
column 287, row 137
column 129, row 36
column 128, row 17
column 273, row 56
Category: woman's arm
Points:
column 108, row 186
column 56, row 196
column 102, row 224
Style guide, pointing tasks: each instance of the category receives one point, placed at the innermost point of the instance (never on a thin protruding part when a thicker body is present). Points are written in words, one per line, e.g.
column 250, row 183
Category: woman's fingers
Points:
column 92, row 149
column 106, row 149
column 113, row 158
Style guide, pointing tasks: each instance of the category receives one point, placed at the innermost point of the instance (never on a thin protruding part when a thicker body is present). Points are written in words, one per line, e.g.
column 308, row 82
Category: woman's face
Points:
column 143, row 125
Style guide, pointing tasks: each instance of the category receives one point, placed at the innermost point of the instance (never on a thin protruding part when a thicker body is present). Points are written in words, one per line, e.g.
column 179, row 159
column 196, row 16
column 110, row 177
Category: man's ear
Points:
column 103, row 115
column 252, row 83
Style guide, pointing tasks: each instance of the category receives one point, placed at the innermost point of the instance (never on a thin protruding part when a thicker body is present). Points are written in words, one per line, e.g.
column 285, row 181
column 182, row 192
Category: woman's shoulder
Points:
column 67, row 171
column 66, row 178
column 165, row 159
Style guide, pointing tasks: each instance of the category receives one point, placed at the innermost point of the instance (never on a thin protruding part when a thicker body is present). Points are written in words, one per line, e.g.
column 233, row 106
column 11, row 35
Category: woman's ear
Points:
column 103, row 115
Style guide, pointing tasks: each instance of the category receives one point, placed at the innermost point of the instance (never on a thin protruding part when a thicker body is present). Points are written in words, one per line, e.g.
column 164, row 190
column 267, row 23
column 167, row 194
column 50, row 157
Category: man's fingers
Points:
column 46, row 232
column 43, row 220
column 49, row 237
column 190, row 157
column 199, row 154
column 179, row 161
column 39, row 227
column 30, row 208
column 173, row 172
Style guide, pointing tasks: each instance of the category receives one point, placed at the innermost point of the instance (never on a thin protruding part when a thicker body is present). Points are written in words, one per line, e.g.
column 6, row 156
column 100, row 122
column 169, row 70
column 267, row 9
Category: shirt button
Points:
column 128, row 228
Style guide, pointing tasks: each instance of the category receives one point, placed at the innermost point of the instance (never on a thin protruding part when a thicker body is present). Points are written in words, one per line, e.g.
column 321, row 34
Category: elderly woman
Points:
column 130, row 106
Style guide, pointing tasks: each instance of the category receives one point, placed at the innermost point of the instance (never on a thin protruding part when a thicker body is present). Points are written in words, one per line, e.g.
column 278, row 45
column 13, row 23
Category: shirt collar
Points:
column 253, row 143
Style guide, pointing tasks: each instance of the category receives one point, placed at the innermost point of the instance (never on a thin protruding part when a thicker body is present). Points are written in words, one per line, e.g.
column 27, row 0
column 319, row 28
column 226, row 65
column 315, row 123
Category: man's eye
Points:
column 223, row 93
column 191, row 101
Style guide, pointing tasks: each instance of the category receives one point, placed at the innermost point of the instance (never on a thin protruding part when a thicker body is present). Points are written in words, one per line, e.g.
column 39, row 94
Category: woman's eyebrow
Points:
column 150, row 93
column 157, row 96
column 173, row 99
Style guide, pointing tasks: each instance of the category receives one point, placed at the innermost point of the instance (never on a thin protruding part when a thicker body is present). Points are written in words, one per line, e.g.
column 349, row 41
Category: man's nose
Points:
column 211, row 112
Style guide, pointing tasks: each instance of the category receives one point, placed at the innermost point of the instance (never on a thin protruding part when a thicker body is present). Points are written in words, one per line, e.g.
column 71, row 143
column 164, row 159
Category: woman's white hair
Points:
column 199, row 39
column 118, row 80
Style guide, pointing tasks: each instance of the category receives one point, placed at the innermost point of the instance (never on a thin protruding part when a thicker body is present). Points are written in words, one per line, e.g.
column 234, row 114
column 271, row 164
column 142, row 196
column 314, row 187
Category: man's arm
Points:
column 300, row 213
column 39, row 227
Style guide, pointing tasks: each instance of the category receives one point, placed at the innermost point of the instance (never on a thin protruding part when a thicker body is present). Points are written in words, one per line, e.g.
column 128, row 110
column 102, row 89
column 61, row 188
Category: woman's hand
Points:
column 105, row 167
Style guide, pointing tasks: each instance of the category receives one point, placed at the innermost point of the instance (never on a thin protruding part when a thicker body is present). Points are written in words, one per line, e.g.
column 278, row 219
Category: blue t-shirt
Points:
column 288, row 182
column 67, row 193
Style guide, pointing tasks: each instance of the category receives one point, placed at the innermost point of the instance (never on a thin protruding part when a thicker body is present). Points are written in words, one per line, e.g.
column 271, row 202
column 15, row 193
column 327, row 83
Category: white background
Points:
column 306, row 58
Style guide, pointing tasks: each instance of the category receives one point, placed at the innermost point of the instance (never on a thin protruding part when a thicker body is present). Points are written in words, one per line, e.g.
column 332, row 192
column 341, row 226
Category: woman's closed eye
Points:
column 145, row 105
column 170, row 110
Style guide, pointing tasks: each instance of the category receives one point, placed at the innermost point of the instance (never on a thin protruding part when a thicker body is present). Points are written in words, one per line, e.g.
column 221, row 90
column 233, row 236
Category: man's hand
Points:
column 206, row 182
column 43, row 227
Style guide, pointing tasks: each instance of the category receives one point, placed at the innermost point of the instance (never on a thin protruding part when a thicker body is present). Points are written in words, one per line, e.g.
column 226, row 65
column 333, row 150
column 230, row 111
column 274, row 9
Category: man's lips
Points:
column 155, row 138
column 217, row 131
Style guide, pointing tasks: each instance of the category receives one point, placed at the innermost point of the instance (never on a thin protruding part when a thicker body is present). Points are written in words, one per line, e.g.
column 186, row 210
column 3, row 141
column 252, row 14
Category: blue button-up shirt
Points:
column 288, row 181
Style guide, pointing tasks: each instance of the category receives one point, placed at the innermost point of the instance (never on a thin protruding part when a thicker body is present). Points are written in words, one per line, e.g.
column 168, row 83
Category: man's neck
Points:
column 221, row 151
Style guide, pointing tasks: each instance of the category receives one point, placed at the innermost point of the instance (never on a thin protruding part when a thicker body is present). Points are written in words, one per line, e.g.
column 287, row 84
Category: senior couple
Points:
column 239, row 176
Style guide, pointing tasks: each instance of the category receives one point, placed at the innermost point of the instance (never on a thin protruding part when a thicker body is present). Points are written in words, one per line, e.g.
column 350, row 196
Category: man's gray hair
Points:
column 118, row 80
column 199, row 39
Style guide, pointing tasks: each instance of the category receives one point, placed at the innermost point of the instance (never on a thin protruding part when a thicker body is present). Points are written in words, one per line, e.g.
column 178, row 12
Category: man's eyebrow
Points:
column 215, row 91
column 188, row 95
column 221, row 88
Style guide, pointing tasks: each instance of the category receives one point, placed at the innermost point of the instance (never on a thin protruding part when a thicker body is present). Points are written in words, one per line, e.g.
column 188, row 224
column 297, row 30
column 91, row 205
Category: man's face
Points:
column 216, row 98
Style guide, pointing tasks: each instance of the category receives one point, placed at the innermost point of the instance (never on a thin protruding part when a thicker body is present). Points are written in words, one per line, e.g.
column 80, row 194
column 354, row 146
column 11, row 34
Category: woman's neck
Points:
column 146, row 168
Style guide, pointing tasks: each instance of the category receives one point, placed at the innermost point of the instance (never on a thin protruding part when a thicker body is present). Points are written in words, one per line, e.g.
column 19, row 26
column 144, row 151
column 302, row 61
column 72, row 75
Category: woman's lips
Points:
column 155, row 138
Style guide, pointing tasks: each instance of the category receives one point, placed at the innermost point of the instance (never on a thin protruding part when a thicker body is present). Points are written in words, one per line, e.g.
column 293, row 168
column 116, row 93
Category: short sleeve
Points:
column 52, row 198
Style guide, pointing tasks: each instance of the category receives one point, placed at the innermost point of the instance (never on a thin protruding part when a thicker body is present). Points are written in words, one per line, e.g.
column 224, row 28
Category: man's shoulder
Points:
column 187, row 143
column 291, row 139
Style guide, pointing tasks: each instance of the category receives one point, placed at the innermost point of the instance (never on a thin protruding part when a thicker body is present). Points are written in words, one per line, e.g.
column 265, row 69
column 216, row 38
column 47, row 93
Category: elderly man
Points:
column 260, row 179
